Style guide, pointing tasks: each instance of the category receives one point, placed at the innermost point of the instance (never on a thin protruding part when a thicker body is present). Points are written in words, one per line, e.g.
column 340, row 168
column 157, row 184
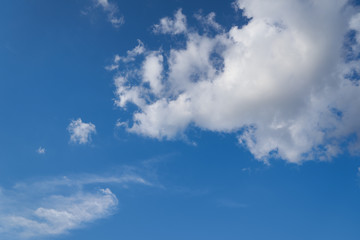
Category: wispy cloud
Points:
column 81, row 132
column 111, row 10
column 130, row 56
column 61, row 214
column 56, row 206
column 208, row 21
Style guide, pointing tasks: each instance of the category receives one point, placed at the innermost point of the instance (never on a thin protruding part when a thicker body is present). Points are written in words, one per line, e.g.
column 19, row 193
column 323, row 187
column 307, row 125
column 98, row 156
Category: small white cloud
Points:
column 121, row 124
column 177, row 25
column 81, row 132
column 41, row 150
column 112, row 67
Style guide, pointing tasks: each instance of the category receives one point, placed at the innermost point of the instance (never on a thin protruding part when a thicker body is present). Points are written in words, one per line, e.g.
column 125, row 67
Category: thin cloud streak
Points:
column 56, row 206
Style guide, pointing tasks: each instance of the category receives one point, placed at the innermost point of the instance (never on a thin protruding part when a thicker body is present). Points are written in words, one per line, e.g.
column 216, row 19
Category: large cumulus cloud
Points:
column 286, row 82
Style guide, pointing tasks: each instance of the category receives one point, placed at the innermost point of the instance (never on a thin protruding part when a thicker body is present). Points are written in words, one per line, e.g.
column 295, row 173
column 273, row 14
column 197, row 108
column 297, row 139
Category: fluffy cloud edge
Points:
column 81, row 132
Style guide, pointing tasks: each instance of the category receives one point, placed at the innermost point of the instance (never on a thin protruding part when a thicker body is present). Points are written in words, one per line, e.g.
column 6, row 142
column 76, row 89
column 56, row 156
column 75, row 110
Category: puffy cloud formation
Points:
column 81, row 132
column 172, row 26
column 286, row 82
column 56, row 206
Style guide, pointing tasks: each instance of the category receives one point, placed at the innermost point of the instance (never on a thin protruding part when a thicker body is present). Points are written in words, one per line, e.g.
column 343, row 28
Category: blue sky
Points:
column 179, row 119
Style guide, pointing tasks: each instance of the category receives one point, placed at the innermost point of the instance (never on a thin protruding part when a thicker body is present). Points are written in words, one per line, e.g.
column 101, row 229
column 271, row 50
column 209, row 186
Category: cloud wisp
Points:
column 56, row 206
column 130, row 57
column 81, row 132
column 112, row 12
column 208, row 21
column 109, row 8
column 284, row 82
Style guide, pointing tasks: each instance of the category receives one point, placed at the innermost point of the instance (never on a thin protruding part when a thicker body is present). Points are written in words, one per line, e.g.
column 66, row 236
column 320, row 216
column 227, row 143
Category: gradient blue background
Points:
column 52, row 61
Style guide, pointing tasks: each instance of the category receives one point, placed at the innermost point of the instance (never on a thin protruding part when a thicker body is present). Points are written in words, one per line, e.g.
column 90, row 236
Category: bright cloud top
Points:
column 284, row 82
column 174, row 26
column 53, row 207
column 81, row 132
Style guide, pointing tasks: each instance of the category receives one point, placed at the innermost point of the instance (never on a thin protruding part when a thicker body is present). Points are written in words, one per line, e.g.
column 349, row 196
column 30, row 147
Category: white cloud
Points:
column 41, row 150
column 280, row 82
column 172, row 26
column 112, row 12
column 81, row 132
column 56, row 206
